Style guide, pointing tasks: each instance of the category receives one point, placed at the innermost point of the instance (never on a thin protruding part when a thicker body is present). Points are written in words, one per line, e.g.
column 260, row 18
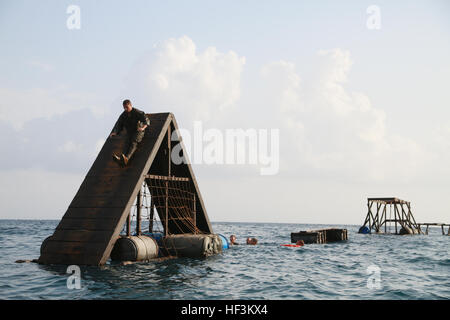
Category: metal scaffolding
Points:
column 390, row 213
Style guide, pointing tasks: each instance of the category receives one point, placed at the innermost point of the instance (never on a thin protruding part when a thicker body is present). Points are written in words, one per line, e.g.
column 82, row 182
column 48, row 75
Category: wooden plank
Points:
column 101, row 184
column 90, row 236
column 110, row 168
column 389, row 200
column 152, row 215
column 74, row 247
column 166, row 178
column 128, row 225
column 138, row 213
column 99, row 202
column 65, row 258
column 107, row 186
column 370, row 215
column 88, row 224
column 92, row 213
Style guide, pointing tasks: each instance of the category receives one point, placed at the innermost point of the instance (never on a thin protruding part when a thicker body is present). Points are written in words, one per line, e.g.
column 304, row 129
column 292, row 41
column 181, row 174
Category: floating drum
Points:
column 193, row 245
column 158, row 236
column 364, row 230
column 406, row 230
column 44, row 244
column 225, row 244
column 135, row 248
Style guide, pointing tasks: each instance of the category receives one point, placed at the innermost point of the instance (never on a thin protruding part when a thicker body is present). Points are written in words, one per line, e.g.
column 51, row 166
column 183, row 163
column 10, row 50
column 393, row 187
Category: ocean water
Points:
column 410, row 267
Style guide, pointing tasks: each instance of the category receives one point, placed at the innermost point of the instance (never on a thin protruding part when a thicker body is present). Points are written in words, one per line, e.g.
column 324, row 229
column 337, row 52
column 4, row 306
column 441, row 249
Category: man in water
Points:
column 233, row 240
column 300, row 243
column 250, row 241
column 135, row 122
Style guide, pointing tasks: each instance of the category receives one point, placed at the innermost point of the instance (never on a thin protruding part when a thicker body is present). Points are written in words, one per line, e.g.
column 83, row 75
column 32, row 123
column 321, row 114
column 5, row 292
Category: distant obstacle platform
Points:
column 91, row 225
column 389, row 215
column 320, row 236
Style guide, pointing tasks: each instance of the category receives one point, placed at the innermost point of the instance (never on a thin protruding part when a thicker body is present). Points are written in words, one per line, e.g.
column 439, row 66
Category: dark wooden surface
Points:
column 95, row 216
column 320, row 236
column 88, row 230
column 388, row 200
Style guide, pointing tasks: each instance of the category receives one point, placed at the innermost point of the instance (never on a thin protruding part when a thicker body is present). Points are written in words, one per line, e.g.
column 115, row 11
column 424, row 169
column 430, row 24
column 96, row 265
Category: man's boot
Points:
column 117, row 159
column 131, row 150
column 124, row 159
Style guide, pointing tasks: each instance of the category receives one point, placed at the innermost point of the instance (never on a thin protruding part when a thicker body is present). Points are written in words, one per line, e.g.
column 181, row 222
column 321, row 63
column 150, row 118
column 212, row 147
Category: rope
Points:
column 181, row 206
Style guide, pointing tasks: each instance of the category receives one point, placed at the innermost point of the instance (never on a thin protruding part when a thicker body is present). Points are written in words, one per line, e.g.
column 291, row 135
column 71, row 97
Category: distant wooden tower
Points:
column 389, row 213
column 91, row 225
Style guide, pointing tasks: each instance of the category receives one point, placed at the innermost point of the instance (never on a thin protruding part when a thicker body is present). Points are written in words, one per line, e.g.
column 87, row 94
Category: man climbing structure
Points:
column 135, row 122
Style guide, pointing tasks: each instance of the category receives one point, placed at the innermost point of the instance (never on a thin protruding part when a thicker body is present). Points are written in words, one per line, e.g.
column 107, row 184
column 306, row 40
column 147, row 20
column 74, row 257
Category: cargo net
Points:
column 166, row 203
column 165, row 210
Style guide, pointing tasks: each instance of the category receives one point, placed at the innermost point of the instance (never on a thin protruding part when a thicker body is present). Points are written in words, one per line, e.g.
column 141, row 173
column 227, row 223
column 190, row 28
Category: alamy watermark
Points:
column 374, row 280
column 73, row 21
column 374, row 19
column 74, row 280
column 229, row 147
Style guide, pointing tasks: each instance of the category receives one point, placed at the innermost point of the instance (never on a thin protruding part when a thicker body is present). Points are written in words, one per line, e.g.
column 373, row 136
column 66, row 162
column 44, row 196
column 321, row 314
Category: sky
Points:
column 360, row 99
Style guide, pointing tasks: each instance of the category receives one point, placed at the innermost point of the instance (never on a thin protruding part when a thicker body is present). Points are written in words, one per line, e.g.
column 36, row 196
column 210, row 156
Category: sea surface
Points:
column 364, row 267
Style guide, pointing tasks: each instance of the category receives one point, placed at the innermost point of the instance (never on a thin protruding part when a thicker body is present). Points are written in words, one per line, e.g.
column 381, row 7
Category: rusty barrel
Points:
column 135, row 248
column 193, row 245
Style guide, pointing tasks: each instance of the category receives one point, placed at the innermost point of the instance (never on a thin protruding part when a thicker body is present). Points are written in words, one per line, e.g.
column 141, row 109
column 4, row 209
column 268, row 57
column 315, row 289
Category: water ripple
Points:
column 411, row 267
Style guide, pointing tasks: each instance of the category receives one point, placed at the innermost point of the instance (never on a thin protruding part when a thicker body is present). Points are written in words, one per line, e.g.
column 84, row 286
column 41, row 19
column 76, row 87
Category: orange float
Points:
column 299, row 243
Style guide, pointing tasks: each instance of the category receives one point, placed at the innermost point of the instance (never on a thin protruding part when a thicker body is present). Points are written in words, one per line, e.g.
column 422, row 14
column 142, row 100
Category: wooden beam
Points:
column 195, row 216
column 166, row 178
column 369, row 214
column 138, row 213
column 169, row 159
column 388, row 200
column 395, row 215
column 129, row 224
column 152, row 214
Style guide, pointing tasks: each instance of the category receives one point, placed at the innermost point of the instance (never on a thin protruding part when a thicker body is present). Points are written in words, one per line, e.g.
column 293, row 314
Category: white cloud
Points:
column 19, row 106
column 334, row 130
column 99, row 145
column 36, row 193
column 79, row 149
column 337, row 65
column 176, row 77
column 70, row 147
column 286, row 82
column 41, row 65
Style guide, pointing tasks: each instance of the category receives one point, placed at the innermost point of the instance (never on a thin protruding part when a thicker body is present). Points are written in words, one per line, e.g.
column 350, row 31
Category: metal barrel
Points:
column 135, row 248
column 193, row 245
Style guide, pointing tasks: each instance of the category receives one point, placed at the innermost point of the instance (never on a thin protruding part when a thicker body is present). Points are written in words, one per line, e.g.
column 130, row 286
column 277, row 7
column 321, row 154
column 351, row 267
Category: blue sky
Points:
column 66, row 87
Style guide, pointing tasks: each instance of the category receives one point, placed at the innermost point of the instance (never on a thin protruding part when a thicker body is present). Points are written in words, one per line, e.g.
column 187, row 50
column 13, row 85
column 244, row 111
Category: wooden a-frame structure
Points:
column 88, row 230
